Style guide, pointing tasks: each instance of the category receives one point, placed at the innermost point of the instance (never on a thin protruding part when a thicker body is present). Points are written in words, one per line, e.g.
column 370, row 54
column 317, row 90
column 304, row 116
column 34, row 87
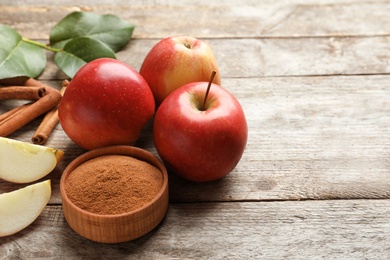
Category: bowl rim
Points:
column 132, row 151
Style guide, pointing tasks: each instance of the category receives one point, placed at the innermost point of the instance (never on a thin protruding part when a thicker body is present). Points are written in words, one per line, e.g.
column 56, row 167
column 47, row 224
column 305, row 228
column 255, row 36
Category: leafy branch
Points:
column 78, row 38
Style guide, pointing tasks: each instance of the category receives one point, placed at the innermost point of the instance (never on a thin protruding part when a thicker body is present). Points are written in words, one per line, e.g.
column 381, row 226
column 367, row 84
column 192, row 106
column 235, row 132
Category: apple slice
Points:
column 20, row 208
column 23, row 162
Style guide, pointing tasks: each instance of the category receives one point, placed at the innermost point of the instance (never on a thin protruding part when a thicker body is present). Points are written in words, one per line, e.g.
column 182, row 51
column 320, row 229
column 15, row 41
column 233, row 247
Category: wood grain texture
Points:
column 314, row 181
column 352, row 229
column 253, row 58
column 309, row 138
column 270, row 19
column 247, row 18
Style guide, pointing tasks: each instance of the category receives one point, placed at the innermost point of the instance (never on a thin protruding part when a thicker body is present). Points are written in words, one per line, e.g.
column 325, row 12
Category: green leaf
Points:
column 108, row 29
column 78, row 52
column 19, row 58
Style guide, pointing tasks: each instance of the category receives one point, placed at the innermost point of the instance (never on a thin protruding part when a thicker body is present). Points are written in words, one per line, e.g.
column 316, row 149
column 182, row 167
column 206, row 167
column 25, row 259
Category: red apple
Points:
column 106, row 103
column 176, row 61
column 200, row 144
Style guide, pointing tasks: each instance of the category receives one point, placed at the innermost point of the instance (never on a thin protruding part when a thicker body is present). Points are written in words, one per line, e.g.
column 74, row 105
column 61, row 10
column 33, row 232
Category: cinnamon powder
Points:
column 113, row 184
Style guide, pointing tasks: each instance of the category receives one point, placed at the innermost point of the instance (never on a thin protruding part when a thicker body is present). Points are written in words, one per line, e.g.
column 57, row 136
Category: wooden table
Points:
column 314, row 181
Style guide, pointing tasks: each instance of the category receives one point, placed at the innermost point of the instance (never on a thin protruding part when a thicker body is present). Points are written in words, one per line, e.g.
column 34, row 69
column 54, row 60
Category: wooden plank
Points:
column 354, row 229
column 248, row 18
column 286, row 57
column 276, row 57
column 309, row 138
column 314, row 181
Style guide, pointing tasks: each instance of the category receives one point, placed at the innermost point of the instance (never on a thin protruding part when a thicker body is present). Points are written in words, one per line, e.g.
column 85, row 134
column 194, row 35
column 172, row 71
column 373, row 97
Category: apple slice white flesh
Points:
column 22, row 162
column 19, row 208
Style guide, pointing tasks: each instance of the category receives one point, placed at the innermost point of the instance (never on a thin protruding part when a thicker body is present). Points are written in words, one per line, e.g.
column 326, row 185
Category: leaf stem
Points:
column 44, row 46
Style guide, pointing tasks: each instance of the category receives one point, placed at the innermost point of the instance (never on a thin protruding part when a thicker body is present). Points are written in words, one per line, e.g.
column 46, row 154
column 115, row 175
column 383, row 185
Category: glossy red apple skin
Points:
column 176, row 61
column 197, row 145
column 106, row 103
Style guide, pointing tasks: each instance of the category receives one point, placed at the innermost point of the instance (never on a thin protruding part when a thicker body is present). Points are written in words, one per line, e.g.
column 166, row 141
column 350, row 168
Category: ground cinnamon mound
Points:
column 113, row 184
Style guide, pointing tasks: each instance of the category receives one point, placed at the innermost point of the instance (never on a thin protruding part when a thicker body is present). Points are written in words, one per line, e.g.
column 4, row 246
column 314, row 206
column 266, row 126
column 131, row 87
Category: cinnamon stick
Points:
column 37, row 108
column 46, row 127
column 21, row 92
column 9, row 114
column 48, row 123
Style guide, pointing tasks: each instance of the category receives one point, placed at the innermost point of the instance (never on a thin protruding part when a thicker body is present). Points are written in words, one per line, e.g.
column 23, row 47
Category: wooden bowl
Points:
column 119, row 227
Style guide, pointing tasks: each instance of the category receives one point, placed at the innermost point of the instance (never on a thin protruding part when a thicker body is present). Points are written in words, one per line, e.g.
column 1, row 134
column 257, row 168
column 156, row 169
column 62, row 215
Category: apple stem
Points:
column 208, row 89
